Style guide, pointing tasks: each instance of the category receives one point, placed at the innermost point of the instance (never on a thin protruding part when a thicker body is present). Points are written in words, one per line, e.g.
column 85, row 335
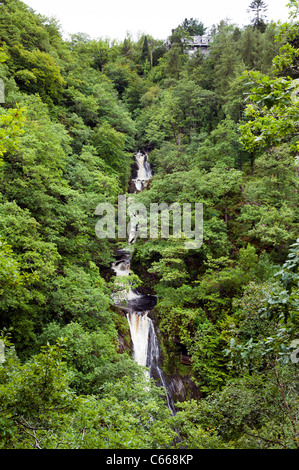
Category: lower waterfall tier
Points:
column 146, row 351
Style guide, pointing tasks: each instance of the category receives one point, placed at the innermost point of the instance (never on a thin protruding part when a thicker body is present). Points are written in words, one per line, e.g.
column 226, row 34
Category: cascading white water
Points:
column 122, row 270
column 144, row 171
column 153, row 356
column 146, row 350
column 139, row 329
column 144, row 340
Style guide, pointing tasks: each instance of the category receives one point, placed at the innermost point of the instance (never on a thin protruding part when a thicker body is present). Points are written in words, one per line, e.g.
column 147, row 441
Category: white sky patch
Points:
column 115, row 18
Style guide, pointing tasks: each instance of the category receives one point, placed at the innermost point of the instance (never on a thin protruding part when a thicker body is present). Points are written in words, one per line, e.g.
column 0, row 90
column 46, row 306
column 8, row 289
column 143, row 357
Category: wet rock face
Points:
column 142, row 303
column 182, row 387
column 122, row 344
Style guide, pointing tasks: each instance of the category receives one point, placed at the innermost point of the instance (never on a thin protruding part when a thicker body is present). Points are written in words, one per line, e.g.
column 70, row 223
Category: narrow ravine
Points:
column 146, row 351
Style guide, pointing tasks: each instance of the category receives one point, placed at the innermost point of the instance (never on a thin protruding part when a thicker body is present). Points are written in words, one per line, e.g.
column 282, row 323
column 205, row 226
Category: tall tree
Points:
column 145, row 51
column 193, row 26
column 258, row 8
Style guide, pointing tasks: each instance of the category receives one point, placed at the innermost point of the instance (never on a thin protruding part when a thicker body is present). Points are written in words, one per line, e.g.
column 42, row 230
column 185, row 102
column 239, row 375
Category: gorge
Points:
column 146, row 351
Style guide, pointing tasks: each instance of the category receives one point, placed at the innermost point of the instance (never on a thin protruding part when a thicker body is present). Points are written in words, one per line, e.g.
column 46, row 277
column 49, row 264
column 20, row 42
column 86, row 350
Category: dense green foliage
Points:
column 221, row 129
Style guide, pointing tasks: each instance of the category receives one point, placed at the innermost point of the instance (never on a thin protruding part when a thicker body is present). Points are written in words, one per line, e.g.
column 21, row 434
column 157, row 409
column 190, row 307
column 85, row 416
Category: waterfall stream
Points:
column 143, row 336
column 144, row 171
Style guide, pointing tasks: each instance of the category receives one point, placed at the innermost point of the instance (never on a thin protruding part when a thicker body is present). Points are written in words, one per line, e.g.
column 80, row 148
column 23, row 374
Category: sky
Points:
column 116, row 18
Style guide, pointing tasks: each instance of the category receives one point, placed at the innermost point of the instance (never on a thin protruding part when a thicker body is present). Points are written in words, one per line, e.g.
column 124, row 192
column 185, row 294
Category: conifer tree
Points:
column 258, row 8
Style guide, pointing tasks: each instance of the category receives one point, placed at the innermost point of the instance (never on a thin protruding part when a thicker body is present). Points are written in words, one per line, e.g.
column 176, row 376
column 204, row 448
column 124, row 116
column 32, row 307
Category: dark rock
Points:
column 182, row 388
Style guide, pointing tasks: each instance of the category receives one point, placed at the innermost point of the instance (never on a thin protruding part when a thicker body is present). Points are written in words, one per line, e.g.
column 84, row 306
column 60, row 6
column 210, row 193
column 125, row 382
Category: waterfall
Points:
column 139, row 329
column 144, row 171
column 146, row 351
column 145, row 343
column 155, row 371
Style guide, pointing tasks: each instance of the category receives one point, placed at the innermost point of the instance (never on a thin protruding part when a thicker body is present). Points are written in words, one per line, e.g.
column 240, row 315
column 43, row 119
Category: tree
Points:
column 272, row 114
column 179, row 36
column 258, row 8
column 10, row 274
column 11, row 128
column 194, row 27
column 145, row 51
column 254, row 412
column 272, row 117
column 92, row 355
column 181, row 111
column 40, row 410
column 37, row 72
column 193, row 435
column 110, row 146
column 250, row 47
column 227, row 61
